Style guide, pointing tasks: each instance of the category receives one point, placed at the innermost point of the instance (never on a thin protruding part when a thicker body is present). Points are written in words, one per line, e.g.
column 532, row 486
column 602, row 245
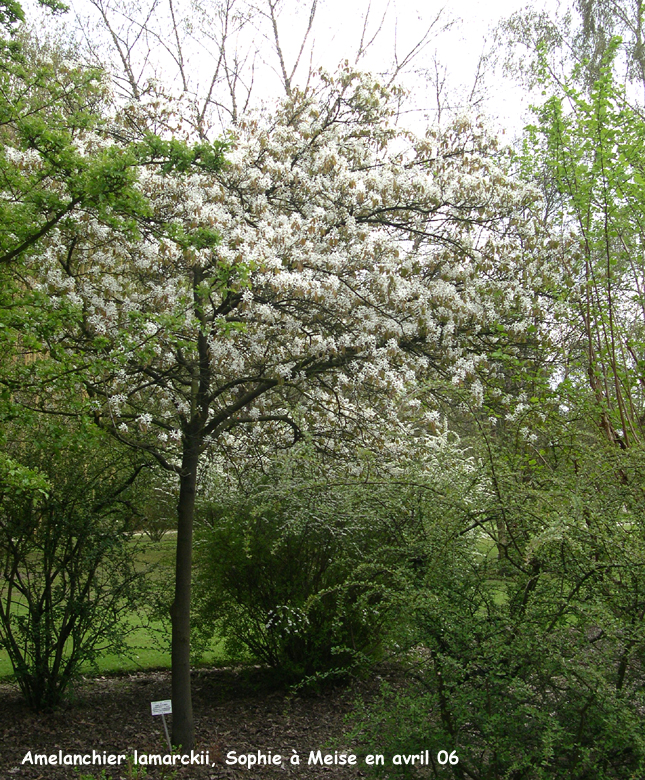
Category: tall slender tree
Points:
column 591, row 149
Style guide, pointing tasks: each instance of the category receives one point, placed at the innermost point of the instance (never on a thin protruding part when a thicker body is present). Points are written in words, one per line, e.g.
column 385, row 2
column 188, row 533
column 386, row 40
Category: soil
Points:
column 235, row 710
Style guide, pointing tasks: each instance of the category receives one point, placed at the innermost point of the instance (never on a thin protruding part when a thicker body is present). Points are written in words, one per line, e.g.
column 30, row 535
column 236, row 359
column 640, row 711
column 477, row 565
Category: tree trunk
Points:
column 183, row 733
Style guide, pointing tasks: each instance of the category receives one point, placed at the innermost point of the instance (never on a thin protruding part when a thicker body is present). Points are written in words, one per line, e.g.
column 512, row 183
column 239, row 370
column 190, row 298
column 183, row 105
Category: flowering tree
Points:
column 354, row 258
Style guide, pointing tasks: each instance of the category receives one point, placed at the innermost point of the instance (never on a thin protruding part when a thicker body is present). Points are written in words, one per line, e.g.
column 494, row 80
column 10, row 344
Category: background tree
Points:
column 591, row 148
column 227, row 58
column 577, row 40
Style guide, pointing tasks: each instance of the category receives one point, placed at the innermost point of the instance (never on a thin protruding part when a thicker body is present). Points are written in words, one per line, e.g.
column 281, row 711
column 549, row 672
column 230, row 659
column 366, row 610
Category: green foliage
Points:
column 590, row 147
column 11, row 13
column 526, row 640
column 69, row 577
column 302, row 571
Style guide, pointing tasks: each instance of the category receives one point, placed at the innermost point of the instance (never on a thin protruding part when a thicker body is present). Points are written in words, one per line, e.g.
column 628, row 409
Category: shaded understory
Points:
column 234, row 710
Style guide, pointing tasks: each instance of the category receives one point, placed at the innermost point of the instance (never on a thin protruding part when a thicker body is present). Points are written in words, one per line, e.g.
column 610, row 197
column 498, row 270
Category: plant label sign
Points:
column 161, row 707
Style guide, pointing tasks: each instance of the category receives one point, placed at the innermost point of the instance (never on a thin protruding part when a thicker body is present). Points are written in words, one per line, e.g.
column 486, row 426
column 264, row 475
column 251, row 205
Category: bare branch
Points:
column 276, row 37
column 312, row 13
column 124, row 48
column 419, row 46
column 180, row 58
column 363, row 47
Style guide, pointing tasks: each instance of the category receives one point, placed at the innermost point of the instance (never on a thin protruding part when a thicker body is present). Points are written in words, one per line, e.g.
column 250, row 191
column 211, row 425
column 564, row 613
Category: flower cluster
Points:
column 354, row 259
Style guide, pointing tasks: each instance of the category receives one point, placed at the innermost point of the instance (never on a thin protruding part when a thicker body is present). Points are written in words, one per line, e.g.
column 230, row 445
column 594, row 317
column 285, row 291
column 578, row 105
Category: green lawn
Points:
column 145, row 652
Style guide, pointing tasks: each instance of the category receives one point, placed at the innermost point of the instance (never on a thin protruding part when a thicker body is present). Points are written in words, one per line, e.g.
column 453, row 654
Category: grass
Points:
column 148, row 643
column 145, row 651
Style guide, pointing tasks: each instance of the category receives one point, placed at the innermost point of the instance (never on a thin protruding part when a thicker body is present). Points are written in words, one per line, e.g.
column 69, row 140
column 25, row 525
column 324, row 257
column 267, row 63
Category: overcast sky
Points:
column 458, row 48
column 337, row 31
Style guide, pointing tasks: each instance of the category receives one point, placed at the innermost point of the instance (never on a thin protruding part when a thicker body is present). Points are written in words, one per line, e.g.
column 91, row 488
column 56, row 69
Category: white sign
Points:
column 161, row 707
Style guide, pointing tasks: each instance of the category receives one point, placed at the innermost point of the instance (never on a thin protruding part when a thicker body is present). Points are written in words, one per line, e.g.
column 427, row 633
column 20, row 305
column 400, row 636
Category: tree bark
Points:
column 183, row 733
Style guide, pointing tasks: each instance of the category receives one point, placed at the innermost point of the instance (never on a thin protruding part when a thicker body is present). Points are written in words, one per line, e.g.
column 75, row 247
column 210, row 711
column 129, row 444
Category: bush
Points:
column 530, row 664
column 69, row 578
column 303, row 574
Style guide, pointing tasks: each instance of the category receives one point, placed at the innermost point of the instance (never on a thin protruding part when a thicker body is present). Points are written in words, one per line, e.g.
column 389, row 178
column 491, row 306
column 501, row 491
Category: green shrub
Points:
column 303, row 574
column 529, row 664
column 69, row 579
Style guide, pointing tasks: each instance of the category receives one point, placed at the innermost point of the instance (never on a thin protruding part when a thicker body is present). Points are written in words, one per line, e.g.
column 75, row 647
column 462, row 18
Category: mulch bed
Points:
column 234, row 710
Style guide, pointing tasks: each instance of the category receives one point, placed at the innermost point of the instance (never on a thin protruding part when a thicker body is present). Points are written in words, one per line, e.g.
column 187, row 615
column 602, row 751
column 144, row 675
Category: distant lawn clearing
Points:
column 145, row 652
